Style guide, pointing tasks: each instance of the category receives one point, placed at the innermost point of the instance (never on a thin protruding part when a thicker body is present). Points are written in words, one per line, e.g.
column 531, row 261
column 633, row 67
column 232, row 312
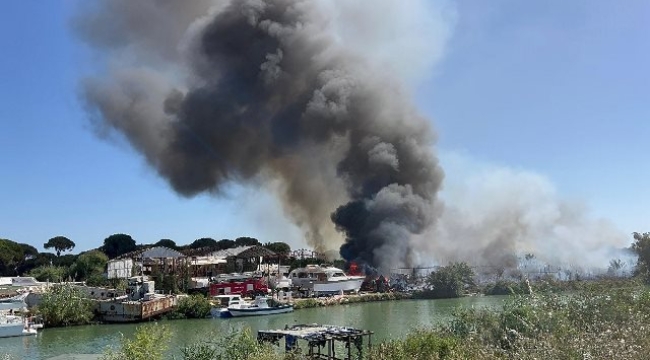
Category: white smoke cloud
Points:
column 494, row 214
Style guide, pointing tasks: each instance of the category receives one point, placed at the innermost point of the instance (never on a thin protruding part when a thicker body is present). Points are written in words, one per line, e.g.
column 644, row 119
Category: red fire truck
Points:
column 244, row 286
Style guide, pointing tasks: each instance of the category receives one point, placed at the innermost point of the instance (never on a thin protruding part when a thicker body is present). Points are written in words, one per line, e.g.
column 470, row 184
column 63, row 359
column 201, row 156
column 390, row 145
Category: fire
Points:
column 354, row 269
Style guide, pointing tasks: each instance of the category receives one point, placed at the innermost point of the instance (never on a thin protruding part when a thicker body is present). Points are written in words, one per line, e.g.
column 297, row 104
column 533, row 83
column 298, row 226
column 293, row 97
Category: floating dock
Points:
column 321, row 340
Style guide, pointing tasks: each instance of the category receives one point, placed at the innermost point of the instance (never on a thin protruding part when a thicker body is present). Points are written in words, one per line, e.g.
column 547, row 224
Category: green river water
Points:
column 388, row 319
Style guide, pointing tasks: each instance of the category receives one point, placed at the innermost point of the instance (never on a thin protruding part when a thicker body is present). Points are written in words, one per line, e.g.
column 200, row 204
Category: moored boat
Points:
column 226, row 301
column 260, row 307
column 325, row 279
column 14, row 325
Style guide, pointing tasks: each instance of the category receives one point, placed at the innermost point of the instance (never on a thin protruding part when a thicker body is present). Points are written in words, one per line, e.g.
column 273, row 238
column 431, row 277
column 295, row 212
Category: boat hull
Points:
column 260, row 311
column 15, row 330
column 337, row 286
column 220, row 313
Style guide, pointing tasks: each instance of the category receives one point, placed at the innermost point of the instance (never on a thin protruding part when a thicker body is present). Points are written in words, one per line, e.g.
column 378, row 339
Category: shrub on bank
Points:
column 149, row 343
column 49, row 273
column 236, row 346
column 590, row 324
column 420, row 345
column 194, row 306
column 64, row 305
column 506, row 287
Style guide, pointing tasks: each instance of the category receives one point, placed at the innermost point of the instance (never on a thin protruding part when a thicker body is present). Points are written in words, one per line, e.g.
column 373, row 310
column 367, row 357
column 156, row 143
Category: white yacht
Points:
column 225, row 302
column 325, row 279
column 260, row 307
column 13, row 325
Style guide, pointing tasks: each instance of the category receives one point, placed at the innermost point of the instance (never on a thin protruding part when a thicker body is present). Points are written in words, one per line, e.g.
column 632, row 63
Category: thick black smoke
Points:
column 259, row 91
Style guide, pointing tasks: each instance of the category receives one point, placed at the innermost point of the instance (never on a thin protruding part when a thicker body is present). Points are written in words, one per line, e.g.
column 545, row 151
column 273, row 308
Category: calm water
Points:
column 387, row 319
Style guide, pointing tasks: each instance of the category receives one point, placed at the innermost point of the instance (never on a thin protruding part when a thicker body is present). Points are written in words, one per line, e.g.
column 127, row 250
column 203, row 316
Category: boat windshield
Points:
column 338, row 274
column 225, row 300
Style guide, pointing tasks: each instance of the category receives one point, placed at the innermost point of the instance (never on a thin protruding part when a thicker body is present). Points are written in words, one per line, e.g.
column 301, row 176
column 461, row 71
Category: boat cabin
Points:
column 316, row 273
column 228, row 300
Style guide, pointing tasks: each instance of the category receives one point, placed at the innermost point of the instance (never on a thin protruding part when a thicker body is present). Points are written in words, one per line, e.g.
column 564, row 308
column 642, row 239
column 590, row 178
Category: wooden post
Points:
column 329, row 349
column 349, row 348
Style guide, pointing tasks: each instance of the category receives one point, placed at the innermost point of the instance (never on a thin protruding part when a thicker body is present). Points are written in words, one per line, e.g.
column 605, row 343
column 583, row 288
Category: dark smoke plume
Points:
column 259, row 92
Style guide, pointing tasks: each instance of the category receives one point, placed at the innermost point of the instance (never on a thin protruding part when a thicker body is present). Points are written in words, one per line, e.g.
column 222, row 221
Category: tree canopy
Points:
column 451, row 281
column 11, row 255
column 118, row 244
column 225, row 244
column 203, row 242
column 59, row 243
column 279, row 248
column 167, row 243
column 91, row 263
column 246, row 241
column 29, row 251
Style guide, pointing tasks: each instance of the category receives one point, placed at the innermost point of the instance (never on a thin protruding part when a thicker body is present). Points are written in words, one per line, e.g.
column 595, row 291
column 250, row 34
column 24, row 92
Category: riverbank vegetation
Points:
column 583, row 325
column 195, row 306
column 64, row 305
column 150, row 342
column 588, row 324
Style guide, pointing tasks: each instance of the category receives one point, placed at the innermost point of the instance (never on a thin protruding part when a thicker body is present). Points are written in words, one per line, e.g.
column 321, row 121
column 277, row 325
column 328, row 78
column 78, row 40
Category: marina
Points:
column 387, row 320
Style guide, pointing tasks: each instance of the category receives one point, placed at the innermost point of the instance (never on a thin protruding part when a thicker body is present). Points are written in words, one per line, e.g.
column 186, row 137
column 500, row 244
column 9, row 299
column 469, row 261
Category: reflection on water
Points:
column 388, row 319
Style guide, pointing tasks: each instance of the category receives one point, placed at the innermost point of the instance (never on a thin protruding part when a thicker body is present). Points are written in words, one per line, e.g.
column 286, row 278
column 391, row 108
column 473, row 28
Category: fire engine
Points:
column 239, row 286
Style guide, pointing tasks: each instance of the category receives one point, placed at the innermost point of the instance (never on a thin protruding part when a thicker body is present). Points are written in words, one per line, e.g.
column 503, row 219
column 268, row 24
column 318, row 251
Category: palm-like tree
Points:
column 59, row 243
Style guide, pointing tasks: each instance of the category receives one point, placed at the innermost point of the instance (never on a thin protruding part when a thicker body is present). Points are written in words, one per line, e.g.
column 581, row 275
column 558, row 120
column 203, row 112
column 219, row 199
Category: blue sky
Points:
column 558, row 88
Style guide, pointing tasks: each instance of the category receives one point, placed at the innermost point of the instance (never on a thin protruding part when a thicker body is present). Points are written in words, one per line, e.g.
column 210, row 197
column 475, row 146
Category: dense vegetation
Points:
column 149, row 343
column 64, row 305
column 194, row 306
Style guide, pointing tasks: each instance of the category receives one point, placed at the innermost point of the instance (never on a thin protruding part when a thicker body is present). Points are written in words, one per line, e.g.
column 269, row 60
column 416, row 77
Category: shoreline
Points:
column 336, row 300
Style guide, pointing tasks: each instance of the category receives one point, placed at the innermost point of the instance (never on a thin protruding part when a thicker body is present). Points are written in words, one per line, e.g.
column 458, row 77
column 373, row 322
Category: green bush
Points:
column 306, row 304
column 420, row 345
column 236, row 346
column 64, row 305
column 506, row 287
column 49, row 273
column 451, row 281
column 194, row 306
column 149, row 343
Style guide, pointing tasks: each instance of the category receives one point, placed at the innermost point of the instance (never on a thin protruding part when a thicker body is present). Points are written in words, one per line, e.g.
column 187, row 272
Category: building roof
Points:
column 154, row 252
column 161, row 252
column 238, row 252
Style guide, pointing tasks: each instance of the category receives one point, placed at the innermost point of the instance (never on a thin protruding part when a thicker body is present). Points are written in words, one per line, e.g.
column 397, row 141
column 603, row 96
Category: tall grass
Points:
column 64, row 305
